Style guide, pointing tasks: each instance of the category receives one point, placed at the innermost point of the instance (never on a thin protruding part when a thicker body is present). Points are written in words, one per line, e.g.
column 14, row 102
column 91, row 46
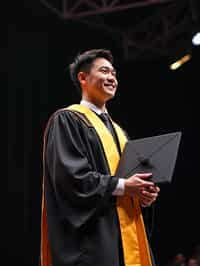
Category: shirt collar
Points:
column 92, row 107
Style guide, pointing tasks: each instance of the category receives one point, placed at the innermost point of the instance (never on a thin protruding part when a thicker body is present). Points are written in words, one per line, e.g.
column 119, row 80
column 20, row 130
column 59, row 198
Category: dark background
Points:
column 150, row 100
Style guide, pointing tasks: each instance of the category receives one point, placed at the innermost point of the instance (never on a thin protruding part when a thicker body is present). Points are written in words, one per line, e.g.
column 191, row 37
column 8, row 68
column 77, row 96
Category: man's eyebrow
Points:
column 107, row 67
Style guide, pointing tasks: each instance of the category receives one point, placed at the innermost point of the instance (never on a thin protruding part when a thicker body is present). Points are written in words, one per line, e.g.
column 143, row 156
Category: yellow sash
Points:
column 134, row 240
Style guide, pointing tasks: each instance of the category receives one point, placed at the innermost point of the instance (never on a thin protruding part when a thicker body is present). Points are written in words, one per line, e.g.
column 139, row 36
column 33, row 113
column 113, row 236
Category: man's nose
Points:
column 111, row 77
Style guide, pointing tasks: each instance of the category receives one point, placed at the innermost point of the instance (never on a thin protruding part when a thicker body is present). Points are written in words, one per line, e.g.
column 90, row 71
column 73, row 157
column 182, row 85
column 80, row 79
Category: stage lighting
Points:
column 180, row 62
column 195, row 12
column 196, row 39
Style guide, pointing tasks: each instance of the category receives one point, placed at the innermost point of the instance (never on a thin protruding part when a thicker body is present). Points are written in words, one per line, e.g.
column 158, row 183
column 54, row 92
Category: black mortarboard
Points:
column 156, row 155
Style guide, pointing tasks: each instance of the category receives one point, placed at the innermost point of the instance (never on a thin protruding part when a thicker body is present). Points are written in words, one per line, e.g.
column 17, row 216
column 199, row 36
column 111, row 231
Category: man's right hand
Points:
column 146, row 191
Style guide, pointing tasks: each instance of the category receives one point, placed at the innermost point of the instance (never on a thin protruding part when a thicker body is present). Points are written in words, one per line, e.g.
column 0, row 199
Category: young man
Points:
column 90, row 217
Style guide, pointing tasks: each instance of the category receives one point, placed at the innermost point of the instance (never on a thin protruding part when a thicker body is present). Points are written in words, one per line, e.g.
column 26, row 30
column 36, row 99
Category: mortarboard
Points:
column 156, row 155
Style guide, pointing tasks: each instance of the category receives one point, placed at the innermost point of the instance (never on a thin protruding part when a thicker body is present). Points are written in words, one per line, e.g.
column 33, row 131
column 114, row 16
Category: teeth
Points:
column 110, row 85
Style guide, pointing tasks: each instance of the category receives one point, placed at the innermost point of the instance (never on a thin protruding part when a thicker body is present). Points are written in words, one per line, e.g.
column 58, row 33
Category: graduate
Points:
column 90, row 216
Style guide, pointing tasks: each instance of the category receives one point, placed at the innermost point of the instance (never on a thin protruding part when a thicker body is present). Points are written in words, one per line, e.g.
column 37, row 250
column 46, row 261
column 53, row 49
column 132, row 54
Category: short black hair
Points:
column 83, row 62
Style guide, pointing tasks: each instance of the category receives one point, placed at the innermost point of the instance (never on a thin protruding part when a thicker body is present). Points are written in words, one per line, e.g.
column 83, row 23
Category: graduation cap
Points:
column 156, row 155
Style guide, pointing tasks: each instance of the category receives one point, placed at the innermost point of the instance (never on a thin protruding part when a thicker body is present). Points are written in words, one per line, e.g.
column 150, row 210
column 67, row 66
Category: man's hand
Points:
column 146, row 191
column 149, row 196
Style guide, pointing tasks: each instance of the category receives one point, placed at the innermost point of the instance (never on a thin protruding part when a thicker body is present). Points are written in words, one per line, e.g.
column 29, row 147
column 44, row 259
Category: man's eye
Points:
column 104, row 70
column 114, row 73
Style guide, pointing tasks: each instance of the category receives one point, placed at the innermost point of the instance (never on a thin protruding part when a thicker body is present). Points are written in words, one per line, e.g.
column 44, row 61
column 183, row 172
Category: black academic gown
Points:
column 82, row 219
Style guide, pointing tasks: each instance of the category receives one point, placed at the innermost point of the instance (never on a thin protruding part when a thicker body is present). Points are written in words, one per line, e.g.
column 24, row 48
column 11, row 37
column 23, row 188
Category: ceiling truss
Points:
column 84, row 8
column 151, row 36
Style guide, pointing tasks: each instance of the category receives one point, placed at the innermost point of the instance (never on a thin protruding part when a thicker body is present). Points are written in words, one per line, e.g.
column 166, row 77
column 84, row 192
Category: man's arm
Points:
column 80, row 191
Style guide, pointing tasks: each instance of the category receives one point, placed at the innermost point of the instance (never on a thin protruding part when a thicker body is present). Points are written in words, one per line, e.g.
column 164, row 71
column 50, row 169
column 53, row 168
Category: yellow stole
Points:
column 134, row 239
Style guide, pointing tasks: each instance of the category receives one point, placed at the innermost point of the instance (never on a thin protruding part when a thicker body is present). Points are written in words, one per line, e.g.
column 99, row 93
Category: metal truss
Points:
column 70, row 9
column 151, row 35
column 161, row 34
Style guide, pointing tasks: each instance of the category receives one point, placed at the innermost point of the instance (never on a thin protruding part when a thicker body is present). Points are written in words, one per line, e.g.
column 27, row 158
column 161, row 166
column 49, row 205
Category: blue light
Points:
column 196, row 39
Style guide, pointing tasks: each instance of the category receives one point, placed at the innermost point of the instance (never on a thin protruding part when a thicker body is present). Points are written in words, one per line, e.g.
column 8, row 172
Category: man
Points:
column 90, row 216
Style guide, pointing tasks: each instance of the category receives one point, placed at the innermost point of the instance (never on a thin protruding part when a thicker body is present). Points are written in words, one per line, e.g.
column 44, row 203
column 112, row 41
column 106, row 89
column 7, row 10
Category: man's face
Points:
column 100, row 83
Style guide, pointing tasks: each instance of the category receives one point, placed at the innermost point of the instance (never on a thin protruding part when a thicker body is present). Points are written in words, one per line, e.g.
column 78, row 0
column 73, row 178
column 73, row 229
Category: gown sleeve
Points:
column 79, row 190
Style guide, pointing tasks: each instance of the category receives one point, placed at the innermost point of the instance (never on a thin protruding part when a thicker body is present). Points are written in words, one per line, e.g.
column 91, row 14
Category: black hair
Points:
column 83, row 62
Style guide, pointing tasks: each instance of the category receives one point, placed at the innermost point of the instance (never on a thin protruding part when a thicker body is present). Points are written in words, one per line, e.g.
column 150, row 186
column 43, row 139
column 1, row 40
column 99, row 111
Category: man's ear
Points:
column 82, row 77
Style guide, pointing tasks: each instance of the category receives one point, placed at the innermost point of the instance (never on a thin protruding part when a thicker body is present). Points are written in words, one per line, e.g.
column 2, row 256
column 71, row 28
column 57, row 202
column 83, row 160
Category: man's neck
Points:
column 93, row 106
column 99, row 104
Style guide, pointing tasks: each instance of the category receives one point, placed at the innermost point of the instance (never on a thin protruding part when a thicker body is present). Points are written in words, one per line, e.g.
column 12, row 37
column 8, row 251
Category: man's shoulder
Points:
column 70, row 114
column 119, row 125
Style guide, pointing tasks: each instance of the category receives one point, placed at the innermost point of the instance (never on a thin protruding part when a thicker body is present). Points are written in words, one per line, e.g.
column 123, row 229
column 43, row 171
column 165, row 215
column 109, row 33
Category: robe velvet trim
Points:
column 134, row 240
column 45, row 254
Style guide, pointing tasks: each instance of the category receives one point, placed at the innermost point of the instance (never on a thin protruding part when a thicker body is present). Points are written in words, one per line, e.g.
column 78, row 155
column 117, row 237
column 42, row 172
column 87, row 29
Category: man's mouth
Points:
column 109, row 85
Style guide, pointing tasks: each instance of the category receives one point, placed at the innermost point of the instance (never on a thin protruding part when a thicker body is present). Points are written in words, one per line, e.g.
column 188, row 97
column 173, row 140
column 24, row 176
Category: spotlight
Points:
column 180, row 62
column 196, row 39
column 195, row 15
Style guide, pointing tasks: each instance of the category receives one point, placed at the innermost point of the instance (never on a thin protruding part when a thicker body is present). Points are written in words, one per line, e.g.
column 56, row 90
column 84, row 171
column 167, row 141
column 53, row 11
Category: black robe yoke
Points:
column 82, row 218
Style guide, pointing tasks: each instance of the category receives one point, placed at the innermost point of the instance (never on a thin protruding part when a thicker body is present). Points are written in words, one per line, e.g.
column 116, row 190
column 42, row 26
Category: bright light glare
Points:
column 196, row 39
column 180, row 62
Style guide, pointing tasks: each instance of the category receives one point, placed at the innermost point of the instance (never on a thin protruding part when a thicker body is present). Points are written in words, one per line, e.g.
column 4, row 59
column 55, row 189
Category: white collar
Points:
column 92, row 107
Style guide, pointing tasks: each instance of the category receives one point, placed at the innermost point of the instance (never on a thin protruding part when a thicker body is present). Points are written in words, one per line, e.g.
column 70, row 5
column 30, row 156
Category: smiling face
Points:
column 100, row 83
